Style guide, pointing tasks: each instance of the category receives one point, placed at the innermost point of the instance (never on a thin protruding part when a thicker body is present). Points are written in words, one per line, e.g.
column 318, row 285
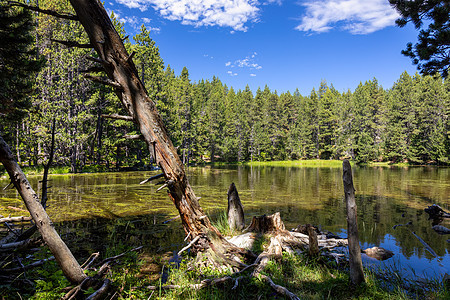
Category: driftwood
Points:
column 356, row 269
column 235, row 211
column 15, row 219
column 435, row 212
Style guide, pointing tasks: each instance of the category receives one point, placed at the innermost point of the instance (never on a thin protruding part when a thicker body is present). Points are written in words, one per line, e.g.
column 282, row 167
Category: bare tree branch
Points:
column 71, row 44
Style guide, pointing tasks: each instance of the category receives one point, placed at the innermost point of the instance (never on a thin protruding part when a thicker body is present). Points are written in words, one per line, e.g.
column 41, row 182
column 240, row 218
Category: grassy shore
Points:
column 311, row 163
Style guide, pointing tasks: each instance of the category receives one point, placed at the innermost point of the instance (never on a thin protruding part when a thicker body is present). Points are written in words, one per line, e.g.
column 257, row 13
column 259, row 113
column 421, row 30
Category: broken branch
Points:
column 27, row 267
column 152, row 178
column 134, row 137
column 190, row 245
column 72, row 44
column 118, row 117
column 104, row 81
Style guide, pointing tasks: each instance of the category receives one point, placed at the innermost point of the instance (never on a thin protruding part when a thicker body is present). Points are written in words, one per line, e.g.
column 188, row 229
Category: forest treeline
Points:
column 209, row 121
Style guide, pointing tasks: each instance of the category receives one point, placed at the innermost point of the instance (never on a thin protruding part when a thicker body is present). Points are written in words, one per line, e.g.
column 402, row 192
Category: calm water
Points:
column 385, row 197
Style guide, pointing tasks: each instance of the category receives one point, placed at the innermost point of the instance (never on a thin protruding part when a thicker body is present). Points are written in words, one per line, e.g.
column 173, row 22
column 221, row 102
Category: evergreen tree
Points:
column 327, row 123
column 366, row 128
column 431, row 54
column 398, row 118
column 19, row 63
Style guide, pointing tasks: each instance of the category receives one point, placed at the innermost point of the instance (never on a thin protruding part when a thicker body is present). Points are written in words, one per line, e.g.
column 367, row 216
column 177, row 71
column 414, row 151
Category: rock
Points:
column 378, row 253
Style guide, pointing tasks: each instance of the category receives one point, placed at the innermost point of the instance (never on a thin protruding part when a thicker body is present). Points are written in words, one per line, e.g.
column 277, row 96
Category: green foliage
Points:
column 431, row 53
column 19, row 62
column 209, row 122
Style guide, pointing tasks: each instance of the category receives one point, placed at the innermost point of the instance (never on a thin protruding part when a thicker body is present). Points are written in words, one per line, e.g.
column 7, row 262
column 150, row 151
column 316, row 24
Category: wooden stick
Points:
column 278, row 288
column 90, row 261
column 27, row 267
column 152, row 178
column 101, row 291
column 118, row 256
column 190, row 245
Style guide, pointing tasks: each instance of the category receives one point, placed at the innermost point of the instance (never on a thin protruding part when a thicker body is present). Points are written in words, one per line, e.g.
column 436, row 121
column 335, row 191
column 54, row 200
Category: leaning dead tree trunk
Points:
column 63, row 256
column 356, row 269
column 123, row 77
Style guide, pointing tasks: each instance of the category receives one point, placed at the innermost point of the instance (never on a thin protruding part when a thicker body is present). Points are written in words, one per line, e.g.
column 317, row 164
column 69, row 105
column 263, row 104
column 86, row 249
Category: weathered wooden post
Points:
column 235, row 210
column 356, row 269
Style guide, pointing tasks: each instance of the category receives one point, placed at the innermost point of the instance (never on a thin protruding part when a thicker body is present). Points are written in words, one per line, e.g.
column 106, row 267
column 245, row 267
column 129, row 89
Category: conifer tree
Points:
column 19, row 63
column 431, row 54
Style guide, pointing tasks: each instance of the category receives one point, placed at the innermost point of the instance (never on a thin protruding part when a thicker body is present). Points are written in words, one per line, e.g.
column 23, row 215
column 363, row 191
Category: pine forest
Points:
column 211, row 122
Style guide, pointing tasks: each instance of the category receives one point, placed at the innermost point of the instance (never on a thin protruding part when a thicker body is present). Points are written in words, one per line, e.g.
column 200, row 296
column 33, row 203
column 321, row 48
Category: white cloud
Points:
column 224, row 13
column 133, row 20
column 356, row 16
column 231, row 73
column 136, row 22
column 247, row 62
column 134, row 4
column 253, row 75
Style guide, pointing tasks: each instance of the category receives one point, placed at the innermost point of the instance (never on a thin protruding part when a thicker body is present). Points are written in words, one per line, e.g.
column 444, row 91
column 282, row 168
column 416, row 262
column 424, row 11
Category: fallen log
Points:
column 16, row 219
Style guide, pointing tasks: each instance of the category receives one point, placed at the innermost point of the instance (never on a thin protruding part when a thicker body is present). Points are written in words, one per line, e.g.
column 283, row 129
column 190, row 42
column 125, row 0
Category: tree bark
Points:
column 63, row 256
column 356, row 269
column 120, row 68
column 235, row 209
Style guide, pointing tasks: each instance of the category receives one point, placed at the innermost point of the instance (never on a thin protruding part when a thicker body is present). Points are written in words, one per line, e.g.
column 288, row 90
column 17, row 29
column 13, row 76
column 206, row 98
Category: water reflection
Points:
column 385, row 197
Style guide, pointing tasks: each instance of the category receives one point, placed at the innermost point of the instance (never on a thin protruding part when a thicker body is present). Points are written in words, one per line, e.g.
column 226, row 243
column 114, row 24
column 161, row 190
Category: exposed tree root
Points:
column 216, row 252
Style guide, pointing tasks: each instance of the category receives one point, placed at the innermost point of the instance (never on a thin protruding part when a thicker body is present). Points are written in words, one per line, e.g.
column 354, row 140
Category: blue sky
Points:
column 282, row 44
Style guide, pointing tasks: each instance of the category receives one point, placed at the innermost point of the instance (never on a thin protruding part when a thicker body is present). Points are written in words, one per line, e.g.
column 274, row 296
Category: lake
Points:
column 386, row 196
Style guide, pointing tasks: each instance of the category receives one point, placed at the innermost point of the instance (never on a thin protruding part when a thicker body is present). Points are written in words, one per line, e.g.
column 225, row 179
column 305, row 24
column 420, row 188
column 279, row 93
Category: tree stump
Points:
column 267, row 224
column 313, row 242
column 235, row 210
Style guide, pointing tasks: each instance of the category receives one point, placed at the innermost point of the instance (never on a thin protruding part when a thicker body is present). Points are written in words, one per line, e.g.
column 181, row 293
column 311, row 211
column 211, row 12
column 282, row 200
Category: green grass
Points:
column 299, row 163
column 220, row 221
column 308, row 278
